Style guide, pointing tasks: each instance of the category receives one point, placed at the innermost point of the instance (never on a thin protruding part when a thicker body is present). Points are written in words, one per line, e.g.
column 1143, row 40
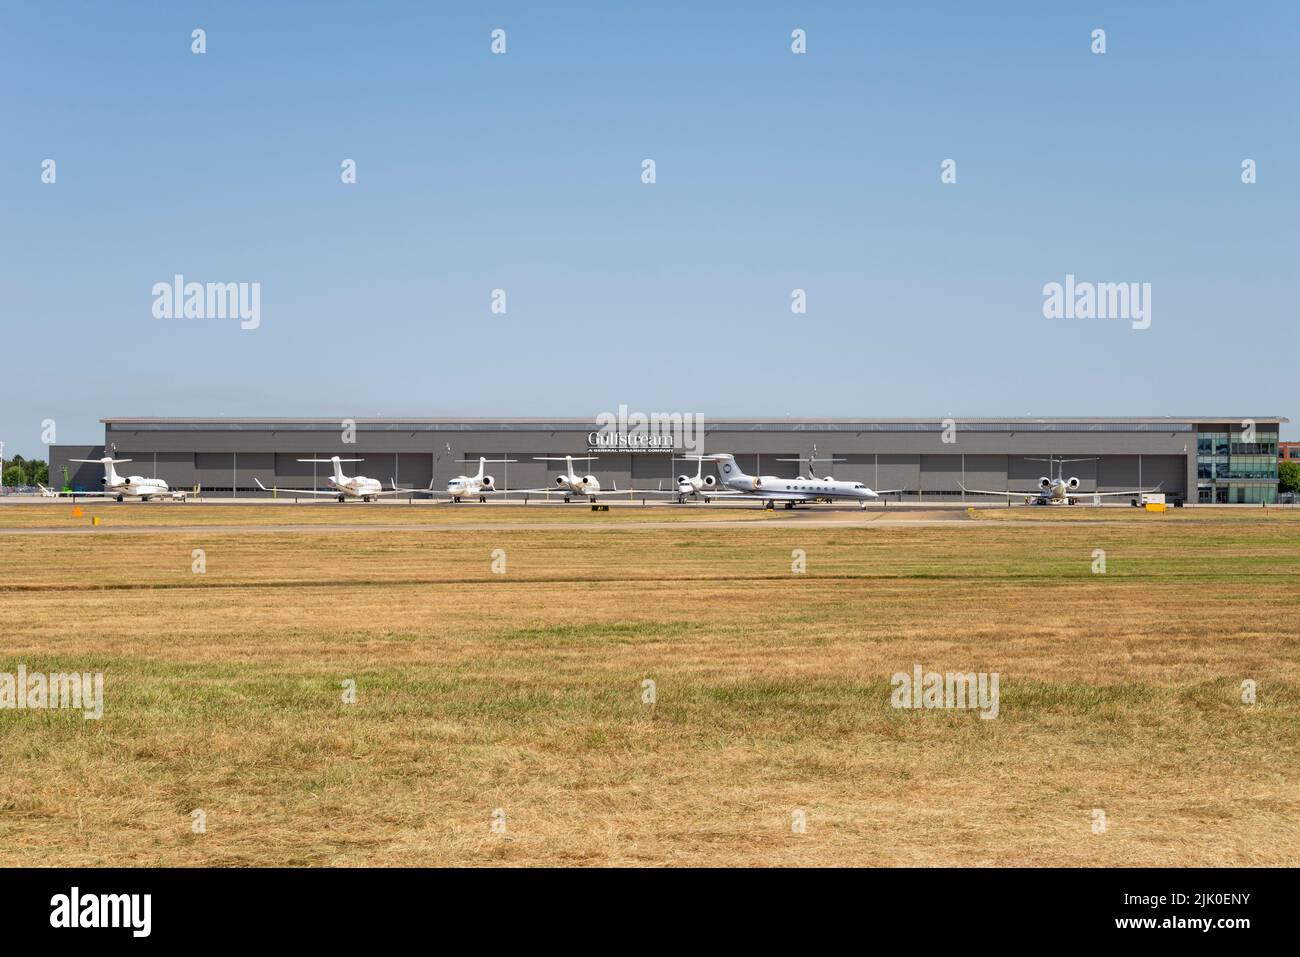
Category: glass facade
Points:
column 1236, row 465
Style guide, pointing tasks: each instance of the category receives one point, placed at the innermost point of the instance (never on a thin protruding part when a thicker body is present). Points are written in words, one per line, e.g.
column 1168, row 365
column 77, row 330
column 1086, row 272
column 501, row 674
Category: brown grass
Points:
column 522, row 692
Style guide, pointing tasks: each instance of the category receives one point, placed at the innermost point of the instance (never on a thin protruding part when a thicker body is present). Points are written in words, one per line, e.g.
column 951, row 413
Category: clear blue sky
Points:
column 522, row 172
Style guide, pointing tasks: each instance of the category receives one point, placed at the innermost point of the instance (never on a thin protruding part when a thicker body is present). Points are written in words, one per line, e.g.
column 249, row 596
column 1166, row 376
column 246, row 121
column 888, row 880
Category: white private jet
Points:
column 1057, row 490
column 770, row 489
column 344, row 488
column 118, row 486
column 697, row 485
column 571, row 484
column 481, row 485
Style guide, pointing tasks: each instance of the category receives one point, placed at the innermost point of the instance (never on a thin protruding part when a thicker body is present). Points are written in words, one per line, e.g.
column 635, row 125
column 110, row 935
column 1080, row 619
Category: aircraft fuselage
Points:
column 357, row 487
column 137, row 486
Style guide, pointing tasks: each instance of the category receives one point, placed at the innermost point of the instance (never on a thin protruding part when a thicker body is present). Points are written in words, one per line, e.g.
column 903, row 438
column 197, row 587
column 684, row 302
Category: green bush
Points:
column 1288, row 476
column 21, row 471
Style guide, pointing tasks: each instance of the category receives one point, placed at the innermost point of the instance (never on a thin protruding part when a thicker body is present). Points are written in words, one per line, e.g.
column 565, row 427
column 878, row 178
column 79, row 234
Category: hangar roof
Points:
column 720, row 423
column 1103, row 419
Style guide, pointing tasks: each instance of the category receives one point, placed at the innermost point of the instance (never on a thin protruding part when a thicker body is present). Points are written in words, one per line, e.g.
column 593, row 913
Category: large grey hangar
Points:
column 1201, row 459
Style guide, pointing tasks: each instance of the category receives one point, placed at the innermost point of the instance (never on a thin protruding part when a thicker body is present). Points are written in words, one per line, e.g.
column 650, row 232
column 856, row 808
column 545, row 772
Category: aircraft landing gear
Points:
column 566, row 500
column 770, row 505
column 341, row 498
column 482, row 499
column 121, row 498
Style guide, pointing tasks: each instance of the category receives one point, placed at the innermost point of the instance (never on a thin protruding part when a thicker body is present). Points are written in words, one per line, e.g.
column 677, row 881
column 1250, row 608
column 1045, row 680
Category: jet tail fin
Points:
column 110, row 473
column 727, row 466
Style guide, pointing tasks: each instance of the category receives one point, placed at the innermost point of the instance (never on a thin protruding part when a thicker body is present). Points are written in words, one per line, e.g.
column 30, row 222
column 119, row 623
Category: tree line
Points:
column 21, row 471
column 1288, row 476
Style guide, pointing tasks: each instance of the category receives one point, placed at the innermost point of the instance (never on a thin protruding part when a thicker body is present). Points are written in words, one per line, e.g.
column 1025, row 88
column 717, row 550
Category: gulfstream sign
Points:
column 625, row 431
column 629, row 442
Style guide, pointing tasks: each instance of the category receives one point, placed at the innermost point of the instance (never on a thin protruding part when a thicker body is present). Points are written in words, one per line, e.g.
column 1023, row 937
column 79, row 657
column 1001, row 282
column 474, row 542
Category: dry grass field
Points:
column 522, row 691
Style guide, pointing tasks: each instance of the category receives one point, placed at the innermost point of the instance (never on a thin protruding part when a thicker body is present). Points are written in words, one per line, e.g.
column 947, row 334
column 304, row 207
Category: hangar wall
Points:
column 80, row 475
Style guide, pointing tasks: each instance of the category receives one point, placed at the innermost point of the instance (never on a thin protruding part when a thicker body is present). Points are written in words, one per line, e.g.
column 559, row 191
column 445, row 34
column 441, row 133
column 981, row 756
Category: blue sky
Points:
column 522, row 172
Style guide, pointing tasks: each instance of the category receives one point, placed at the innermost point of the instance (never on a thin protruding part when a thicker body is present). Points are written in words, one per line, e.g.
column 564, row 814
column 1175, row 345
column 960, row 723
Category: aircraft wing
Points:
column 632, row 491
column 411, row 491
column 556, row 490
column 1009, row 493
column 1141, row 491
column 772, row 496
column 405, row 491
column 548, row 490
column 1041, row 492
column 51, row 492
column 294, row 491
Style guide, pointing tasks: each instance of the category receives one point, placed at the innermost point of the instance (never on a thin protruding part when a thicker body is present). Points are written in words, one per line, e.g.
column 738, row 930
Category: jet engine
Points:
column 589, row 480
column 1044, row 483
column 489, row 482
column 1073, row 483
column 683, row 480
column 559, row 480
column 710, row 481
